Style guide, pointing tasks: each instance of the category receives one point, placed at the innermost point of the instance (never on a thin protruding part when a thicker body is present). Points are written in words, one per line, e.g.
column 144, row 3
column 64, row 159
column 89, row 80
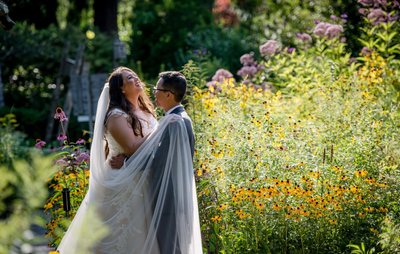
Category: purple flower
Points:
column 40, row 144
column 377, row 16
column 80, row 141
column 333, row 31
column 247, row 59
column 392, row 18
column 269, row 48
column 321, row 28
column 304, row 37
column 352, row 60
column 290, row 50
column 366, row 2
column 334, row 17
column 221, row 74
column 363, row 11
column 83, row 157
column 328, row 30
column 382, row 3
column 215, row 85
column 60, row 115
column 344, row 16
column 61, row 137
column 247, row 71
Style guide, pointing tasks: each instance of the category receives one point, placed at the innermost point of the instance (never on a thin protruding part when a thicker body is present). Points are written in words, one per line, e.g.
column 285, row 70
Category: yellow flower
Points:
column 260, row 205
column 222, row 207
column 360, row 173
column 216, row 218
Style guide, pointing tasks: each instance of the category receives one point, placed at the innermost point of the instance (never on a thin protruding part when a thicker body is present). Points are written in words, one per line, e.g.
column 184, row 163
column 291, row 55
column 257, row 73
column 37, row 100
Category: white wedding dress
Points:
column 129, row 202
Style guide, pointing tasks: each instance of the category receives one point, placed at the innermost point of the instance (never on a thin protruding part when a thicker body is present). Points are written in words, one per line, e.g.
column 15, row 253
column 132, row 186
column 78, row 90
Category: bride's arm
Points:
column 122, row 132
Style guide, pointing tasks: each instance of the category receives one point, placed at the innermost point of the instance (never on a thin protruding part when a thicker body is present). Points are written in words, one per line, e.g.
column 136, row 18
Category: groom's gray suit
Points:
column 166, row 234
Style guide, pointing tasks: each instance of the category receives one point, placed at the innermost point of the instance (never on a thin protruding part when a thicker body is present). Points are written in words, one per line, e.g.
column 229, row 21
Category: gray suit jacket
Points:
column 166, row 233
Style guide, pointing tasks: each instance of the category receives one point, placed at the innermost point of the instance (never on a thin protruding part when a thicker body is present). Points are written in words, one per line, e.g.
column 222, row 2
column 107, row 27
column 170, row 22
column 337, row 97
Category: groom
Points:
column 169, row 93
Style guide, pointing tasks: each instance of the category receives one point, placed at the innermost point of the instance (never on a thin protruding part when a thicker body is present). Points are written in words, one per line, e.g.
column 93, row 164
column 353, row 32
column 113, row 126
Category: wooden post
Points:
column 75, row 78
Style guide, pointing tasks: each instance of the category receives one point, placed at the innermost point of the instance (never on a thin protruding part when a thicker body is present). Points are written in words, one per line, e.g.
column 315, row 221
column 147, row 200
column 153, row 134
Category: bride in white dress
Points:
column 123, row 198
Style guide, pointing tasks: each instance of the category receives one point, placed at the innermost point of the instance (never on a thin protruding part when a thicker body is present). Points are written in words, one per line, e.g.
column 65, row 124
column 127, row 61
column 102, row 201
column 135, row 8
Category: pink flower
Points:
column 247, row 59
column 366, row 2
column 366, row 51
column 247, row 71
column 215, row 85
column 60, row 115
column 333, row 31
column 221, row 74
column 40, row 144
column 83, row 157
column 61, row 137
column 382, row 3
column 80, row 141
column 61, row 162
column 328, row 30
column 377, row 16
column 321, row 28
column 269, row 48
column 304, row 37
column 363, row 11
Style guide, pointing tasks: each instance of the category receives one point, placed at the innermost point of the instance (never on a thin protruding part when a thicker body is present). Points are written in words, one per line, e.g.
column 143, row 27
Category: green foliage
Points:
column 22, row 185
column 218, row 47
column 360, row 249
column 390, row 236
column 160, row 29
column 11, row 141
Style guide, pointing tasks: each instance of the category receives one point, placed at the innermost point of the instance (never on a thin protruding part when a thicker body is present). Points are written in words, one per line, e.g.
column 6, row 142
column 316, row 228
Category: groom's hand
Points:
column 116, row 162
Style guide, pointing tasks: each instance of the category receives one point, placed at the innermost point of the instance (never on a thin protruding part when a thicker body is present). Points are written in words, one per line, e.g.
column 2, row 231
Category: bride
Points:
column 126, row 200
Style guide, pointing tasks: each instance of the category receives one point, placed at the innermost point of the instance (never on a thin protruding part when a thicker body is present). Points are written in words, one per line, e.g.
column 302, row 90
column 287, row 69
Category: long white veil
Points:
column 150, row 200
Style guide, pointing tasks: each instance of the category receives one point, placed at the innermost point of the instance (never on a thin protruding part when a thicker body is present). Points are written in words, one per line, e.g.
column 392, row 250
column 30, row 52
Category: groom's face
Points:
column 161, row 95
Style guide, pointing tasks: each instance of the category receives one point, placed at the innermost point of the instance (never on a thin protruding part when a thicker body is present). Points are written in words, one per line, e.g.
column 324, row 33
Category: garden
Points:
column 297, row 126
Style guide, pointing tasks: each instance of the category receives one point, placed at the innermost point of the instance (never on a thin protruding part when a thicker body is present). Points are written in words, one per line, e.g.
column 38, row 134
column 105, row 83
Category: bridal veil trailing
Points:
column 132, row 201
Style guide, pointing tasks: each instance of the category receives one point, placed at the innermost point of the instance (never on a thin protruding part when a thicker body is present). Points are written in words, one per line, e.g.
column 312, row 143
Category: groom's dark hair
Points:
column 175, row 82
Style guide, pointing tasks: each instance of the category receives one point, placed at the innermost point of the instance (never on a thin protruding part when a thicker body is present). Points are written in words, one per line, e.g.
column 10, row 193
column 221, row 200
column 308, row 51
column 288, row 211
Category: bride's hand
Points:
column 116, row 162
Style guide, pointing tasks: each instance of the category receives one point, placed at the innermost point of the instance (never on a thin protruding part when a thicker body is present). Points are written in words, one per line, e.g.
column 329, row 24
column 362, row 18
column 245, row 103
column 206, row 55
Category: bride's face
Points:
column 132, row 84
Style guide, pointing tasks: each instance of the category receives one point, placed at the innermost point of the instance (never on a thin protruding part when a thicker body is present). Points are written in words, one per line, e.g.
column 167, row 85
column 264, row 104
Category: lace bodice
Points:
column 148, row 126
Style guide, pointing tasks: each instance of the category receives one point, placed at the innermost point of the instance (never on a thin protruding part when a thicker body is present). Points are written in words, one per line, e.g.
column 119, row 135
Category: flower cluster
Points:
column 327, row 30
column 379, row 11
column 220, row 76
column 250, row 66
column 304, row 37
column 269, row 48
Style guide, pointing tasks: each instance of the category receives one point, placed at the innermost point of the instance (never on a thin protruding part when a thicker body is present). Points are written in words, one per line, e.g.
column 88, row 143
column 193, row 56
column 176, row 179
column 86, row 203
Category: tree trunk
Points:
column 56, row 95
column 105, row 16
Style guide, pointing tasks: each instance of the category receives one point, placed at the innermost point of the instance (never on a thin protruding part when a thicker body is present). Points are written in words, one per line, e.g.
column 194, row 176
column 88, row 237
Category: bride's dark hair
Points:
column 118, row 100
